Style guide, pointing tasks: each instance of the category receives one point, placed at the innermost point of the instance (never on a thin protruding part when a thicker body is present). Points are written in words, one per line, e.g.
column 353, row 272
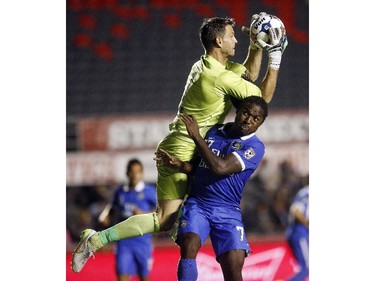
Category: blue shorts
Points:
column 223, row 225
column 133, row 260
column 299, row 243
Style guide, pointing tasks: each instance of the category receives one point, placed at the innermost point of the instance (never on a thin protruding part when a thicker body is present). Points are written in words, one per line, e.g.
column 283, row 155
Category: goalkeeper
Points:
column 213, row 85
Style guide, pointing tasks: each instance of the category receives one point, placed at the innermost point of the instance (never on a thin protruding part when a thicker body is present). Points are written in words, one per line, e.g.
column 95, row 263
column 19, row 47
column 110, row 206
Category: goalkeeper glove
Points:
column 277, row 46
column 247, row 30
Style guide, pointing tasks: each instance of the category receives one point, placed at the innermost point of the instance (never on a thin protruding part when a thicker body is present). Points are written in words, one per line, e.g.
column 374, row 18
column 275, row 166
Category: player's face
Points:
column 248, row 119
column 135, row 174
column 229, row 42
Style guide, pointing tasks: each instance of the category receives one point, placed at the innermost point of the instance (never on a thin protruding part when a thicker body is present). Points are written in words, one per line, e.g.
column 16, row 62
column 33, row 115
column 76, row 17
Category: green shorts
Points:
column 170, row 183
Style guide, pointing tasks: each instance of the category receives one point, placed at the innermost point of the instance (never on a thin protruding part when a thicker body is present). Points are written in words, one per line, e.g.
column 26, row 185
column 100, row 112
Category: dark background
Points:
column 126, row 57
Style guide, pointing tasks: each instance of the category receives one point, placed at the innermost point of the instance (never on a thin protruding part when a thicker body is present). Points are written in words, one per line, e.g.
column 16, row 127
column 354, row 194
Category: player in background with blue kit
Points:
column 134, row 255
column 229, row 155
column 297, row 232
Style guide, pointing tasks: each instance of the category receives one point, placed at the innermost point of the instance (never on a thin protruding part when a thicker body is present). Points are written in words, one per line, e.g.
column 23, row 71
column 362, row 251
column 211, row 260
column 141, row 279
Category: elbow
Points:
column 267, row 98
column 219, row 170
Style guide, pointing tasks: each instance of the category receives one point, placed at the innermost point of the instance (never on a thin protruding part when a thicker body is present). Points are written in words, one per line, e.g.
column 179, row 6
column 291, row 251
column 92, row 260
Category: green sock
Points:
column 134, row 226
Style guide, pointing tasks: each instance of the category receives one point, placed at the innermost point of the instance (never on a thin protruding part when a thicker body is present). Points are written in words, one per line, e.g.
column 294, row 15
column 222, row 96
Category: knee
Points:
column 232, row 263
column 167, row 218
column 190, row 244
column 165, row 221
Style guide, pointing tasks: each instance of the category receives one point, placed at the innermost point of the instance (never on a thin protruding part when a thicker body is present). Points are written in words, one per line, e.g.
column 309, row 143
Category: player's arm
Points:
column 104, row 214
column 298, row 215
column 253, row 63
column 275, row 49
column 253, row 59
column 268, row 85
column 277, row 46
column 221, row 166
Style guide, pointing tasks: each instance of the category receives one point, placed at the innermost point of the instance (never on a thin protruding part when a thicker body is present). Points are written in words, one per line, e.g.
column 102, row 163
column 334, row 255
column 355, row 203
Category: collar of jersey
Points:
column 139, row 187
column 245, row 137
column 213, row 62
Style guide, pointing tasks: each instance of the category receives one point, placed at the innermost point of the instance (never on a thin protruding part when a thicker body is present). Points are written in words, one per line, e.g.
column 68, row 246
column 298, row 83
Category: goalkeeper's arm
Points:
column 253, row 59
column 275, row 49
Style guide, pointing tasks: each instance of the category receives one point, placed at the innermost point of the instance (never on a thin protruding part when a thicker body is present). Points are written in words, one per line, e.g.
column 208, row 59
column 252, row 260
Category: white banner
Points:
column 128, row 133
column 92, row 168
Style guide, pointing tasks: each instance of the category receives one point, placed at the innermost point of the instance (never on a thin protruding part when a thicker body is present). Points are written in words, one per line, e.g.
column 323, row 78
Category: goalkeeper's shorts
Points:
column 172, row 184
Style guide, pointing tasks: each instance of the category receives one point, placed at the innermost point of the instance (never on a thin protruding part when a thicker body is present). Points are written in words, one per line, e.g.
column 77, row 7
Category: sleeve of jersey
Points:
column 250, row 156
column 297, row 206
column 229, row 83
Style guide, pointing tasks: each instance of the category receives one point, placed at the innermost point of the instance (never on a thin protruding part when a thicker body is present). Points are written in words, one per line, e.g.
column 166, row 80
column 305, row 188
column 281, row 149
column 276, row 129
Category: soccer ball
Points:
column 259, row 29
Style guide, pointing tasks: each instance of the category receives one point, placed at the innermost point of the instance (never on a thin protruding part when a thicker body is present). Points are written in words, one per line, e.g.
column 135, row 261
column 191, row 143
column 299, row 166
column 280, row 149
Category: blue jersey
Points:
column 216, row 190
column 143, row 196
column 297, row 234
column 300, row 202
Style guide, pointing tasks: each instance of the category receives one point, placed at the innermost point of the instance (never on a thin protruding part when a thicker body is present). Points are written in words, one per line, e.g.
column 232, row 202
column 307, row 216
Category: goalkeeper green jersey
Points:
column 207, row 96
column 207, row 93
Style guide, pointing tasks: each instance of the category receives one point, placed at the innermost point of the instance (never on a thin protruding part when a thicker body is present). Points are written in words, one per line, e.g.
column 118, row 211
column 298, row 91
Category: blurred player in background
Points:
column 230, row 154
column 213, row 84
column 133, row 256
column 297, row 232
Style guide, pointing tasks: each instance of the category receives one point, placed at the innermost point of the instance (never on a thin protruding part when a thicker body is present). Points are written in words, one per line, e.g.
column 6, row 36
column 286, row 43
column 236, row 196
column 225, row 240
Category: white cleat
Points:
column 83, row 251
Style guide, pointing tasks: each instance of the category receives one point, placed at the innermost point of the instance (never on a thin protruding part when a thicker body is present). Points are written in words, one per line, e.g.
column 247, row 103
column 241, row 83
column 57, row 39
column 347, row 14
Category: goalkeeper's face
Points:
column 229, row 42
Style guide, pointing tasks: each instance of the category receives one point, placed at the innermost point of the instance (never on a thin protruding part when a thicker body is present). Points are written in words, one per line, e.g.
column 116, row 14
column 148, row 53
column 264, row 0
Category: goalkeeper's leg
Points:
column 135, row 226
column 91, row 241
column 138, row 225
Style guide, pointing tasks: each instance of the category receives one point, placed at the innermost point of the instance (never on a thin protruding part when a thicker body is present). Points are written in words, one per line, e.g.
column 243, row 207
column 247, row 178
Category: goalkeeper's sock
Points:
column 187, row 270
column 134, row 226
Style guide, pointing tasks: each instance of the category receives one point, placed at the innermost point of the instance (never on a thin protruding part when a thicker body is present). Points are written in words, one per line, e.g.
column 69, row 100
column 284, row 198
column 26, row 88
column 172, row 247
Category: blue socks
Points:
column 187, row 270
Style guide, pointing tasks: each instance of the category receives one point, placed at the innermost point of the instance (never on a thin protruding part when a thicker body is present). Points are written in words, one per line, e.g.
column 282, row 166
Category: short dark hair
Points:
column 258, row 101
column 132, row 162
column 212, row 28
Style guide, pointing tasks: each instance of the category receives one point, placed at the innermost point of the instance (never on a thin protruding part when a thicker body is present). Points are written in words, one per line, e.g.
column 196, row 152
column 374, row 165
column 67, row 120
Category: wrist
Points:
column 274, row 60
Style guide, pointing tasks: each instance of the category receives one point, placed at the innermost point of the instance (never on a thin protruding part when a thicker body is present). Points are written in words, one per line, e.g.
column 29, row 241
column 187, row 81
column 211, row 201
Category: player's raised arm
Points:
column 277, row 46
column 274, row 42
column 253, row 59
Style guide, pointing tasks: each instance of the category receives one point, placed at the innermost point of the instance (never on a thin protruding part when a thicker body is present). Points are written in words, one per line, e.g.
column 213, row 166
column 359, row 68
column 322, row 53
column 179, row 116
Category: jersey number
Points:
column 240, row 229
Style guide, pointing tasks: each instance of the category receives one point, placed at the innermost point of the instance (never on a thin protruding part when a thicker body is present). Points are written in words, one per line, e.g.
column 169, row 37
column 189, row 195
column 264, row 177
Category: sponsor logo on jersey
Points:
column 236, row 145
column 250, row 153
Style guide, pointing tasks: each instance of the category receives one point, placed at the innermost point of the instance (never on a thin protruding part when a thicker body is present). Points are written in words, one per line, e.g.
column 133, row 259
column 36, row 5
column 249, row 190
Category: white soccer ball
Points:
column 259, row 29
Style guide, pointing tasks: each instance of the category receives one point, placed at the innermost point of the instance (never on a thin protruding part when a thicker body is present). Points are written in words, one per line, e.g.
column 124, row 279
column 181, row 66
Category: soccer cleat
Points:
column 83, row 251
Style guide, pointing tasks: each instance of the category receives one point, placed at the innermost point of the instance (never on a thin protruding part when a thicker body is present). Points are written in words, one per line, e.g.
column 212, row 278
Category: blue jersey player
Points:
column 134, row 255
column 229, row 155
column 297, row 232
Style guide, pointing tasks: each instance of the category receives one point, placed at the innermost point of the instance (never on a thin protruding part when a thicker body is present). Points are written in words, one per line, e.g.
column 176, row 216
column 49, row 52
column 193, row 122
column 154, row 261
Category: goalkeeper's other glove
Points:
column 277, row 46
column 247, row 30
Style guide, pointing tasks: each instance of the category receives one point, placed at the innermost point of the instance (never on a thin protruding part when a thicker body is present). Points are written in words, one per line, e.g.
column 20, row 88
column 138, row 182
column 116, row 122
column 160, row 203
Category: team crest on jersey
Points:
column 183, row 224
column 250, row 153
column 236, row 145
